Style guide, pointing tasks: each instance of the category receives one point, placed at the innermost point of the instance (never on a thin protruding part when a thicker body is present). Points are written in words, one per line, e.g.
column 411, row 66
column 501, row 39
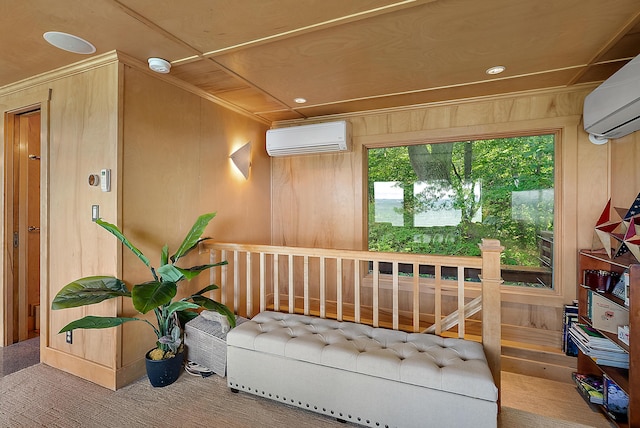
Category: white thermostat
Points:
column 105, row 180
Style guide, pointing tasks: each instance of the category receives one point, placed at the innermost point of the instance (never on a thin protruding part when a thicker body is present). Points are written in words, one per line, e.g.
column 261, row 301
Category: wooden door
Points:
column 26, row 226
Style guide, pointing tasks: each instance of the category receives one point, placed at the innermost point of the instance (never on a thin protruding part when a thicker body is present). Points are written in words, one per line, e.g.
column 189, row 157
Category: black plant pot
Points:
column 164, row 372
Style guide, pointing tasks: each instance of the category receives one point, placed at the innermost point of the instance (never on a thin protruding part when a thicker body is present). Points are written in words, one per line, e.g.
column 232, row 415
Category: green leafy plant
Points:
column 156, row 295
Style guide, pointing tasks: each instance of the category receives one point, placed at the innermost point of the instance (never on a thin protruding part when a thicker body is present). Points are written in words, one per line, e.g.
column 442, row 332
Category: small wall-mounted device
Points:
column 105, row 180
column 94, row 180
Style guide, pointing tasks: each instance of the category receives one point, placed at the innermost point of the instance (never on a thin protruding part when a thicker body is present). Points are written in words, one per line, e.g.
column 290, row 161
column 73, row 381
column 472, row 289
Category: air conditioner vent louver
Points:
column 309, row 139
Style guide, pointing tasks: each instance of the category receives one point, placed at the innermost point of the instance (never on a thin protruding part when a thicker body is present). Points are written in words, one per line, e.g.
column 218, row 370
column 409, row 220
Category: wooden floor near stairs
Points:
column 558, row 400
column 538, row 380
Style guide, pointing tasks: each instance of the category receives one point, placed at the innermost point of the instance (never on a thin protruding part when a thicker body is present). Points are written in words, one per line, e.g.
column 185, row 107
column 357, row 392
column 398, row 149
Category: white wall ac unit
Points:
column 307, row 139
column 612, row 110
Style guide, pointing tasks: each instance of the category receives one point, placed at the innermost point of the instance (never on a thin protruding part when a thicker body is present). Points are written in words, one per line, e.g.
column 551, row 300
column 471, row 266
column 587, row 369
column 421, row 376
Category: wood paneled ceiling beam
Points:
column 158, row 29
column 320, row 26
column 633, row 21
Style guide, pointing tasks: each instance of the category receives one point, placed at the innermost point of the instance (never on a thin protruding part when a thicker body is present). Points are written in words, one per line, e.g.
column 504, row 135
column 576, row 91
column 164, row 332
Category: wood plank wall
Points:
column 168, row 150
column 176, row 166
column 79, row 136
column 319, row 200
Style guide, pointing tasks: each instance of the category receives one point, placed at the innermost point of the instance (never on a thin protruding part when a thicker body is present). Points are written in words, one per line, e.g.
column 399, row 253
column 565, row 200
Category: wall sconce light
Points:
column 242, row 159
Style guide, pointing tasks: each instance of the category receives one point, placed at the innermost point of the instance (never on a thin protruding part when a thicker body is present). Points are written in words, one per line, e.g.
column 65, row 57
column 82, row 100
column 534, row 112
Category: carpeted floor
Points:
column 41, row 396
column 19, row 355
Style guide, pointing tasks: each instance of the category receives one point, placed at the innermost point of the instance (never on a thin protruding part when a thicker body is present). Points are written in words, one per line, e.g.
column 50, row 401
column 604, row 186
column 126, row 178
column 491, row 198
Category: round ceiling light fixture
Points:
column 496, row 70
column 69, row 42
column 159, row 65
column 300, row 100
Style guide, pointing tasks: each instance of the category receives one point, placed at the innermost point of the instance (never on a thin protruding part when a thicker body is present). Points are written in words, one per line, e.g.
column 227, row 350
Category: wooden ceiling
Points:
column 341, row 55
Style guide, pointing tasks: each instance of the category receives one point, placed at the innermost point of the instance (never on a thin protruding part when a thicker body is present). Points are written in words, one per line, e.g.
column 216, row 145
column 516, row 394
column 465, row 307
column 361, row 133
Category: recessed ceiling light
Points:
column 495, row 70
column 69, row 42
column 159, row 65
column 300, row 100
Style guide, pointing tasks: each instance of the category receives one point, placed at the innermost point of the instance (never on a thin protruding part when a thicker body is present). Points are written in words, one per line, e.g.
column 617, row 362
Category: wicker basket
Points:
column 206, row 344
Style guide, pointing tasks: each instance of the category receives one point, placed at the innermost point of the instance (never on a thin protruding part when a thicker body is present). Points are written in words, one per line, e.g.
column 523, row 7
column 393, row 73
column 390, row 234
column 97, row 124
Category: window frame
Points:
column 504, row 267
column 565, row 131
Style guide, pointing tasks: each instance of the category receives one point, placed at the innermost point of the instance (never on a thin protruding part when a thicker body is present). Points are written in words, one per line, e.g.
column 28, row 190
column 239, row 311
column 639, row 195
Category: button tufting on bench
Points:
column 421, row 359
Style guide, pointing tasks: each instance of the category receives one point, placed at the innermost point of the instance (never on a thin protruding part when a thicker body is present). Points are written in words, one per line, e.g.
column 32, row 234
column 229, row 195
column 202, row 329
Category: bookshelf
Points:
column 627, row 379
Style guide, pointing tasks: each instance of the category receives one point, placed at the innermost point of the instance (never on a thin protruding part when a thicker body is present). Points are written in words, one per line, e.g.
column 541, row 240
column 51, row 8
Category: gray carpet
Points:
column 41, row 396
column 19, row 356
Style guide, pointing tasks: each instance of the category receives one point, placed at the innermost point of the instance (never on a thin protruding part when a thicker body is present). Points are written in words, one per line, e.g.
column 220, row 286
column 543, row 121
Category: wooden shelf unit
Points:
column 628, row 380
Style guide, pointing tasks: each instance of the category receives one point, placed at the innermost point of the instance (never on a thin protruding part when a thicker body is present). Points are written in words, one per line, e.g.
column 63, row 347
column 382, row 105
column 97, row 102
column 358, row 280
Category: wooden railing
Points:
column 411, row 292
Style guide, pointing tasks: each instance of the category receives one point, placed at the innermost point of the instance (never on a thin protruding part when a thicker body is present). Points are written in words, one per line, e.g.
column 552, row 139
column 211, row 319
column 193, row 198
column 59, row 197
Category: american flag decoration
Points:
column 610, row 230
column 619, row 230
column 632, row 238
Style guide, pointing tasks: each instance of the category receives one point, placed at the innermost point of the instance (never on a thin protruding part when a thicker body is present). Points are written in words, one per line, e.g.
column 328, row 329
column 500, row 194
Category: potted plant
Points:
column 156, row 295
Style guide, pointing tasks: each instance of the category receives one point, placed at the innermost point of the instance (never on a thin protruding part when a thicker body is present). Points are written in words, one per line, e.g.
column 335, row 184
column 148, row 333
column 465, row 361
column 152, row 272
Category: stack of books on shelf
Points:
column 570, row 317
column 597, row 346
column 590, row 387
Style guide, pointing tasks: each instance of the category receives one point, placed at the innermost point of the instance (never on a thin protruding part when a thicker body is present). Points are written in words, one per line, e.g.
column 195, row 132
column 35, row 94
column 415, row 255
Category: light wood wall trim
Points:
column 494, row 130
column 117, row 188
column 585, row 87
column 101, row 375
column 45, row 179
column 11, row 105
column 6, row 267
column 60, row 73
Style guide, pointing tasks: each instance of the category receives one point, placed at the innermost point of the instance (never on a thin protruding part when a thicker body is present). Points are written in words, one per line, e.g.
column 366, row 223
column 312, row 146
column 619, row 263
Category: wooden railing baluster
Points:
column 438, row 299
column 461, row 315
column 396, row 296
column 276, row 282
column 306, row 285
column 339, row 288
column 292, row 295
column 416, row 297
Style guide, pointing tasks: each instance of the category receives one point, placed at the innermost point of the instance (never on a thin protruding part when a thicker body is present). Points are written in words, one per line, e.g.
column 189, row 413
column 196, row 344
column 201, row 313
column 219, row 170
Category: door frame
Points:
column 6, row 224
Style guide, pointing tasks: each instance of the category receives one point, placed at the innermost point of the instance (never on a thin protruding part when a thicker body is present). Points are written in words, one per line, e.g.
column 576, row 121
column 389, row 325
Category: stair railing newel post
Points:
column 491, row 305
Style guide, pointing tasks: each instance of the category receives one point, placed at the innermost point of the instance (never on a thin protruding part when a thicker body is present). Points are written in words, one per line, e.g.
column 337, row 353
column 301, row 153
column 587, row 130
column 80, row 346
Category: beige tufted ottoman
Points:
column 370, row 376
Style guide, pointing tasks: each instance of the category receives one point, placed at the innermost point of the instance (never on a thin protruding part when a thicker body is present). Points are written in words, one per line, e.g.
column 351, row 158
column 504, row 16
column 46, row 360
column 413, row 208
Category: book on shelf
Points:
column 623, row 334
column 611, row 363
column 597, row 346
column 621, row 287
column 615, row 400
column 570, row 317
column 590, row 387
column 587, row 334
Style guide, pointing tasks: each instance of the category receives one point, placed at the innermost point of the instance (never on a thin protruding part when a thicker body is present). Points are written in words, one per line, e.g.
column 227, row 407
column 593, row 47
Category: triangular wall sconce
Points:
column 242, row 159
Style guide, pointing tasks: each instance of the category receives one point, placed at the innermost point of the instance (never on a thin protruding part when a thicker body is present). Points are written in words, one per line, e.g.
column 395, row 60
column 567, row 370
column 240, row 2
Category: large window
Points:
column 443, row 198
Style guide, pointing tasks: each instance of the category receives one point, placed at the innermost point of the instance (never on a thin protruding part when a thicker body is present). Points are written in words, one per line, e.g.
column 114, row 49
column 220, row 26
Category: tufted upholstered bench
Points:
column 370, row 376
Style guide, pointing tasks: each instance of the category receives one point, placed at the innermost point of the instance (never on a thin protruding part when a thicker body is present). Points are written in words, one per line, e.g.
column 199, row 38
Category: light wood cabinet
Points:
column 628, row 380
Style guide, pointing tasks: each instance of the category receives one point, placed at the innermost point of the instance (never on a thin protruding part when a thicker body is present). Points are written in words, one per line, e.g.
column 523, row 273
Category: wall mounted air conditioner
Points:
column 308, row 139
column 612, row 110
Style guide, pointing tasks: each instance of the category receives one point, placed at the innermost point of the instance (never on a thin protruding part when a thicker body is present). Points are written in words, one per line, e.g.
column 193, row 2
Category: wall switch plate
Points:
column 95, row 212
column 69, row 337
column 105, row 180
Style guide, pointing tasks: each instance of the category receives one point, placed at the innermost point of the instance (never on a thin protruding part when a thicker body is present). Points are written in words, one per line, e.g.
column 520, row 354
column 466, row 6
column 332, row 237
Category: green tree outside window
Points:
column 443, row 198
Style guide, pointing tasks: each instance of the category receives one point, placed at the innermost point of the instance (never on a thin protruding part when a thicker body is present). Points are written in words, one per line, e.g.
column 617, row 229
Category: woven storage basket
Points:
column 207, row 344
